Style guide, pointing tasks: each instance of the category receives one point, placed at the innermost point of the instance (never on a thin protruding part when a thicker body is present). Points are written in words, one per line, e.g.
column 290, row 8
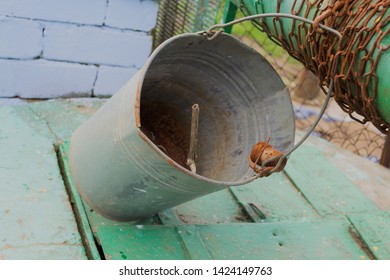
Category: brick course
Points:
column 57, row 48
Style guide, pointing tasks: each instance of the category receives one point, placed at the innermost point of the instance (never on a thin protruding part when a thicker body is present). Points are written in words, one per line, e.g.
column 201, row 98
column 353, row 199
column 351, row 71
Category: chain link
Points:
column 363, row 25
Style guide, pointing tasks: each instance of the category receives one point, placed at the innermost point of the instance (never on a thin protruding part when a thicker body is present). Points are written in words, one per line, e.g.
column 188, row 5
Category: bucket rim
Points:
column 137, row 110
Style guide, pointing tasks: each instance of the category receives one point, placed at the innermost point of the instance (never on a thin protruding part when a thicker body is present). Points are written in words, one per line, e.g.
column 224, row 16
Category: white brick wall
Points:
column 136, row 15
column 45, row 79
column 75, row 11
column 20, row 38
column 96, row 45
column 110, row 79
column 59, row 48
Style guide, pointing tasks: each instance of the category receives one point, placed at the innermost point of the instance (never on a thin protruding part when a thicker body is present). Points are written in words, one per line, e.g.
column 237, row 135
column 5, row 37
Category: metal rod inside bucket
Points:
column 136, row 164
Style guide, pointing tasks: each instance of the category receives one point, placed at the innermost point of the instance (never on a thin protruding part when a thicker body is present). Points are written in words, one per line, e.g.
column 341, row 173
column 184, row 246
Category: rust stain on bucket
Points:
column 137, row 106
column 263, row 151
column 135, row 159
column 162, row 127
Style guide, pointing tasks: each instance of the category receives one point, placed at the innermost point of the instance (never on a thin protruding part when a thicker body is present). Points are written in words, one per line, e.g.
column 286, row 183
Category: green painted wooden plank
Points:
column 63, row 116
column 81, row 217
column 303, row 240
column 169, row 217
column 137, row 242
column 277, row 199
column 44, row 251
column 96, row 220
column 325, row 187
column 374, row 230
column 370, row 178
column 325, row 240
column 193, row 243
column 215, row 208
column 329, row 239
column 88, row 220
column 35, row 214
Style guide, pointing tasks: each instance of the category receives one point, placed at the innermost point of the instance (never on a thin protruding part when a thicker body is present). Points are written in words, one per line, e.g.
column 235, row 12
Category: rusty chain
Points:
column 363, row 25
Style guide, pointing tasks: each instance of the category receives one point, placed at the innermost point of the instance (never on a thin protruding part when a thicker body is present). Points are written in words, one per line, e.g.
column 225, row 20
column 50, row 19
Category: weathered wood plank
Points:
column 63, row 116
column 330, row 239
column 374, row 229
column 81, row 217
column 292, row 228
column 276, row 198
column 136, row 242
column 193, row 243
column 35, row 214
column 215, row 208
column 325, row 187
column 370, row 178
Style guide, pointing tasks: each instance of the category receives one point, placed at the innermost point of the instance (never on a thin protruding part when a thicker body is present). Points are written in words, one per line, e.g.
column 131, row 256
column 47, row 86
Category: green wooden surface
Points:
column 292, row 229
column 36, row 219
column 330, row 239
column 278, row 199
column 370, row 179
column 309, row 240
column 193, row 243
column 323, row 185
column 79, row 209
column 374, row 229
column 218, row 207
column 138, row 242
column 318, row 209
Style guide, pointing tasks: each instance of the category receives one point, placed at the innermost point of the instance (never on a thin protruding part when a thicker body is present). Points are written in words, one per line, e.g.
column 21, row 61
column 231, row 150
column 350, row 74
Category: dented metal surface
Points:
column 135, row 165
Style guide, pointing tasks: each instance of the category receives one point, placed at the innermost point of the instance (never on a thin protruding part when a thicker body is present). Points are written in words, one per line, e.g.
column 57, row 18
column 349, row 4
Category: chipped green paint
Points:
column 36, row 219
column 193, row 243
column 372, row 229
column 300, row 235
column 292, row 228
column 284, row 204
column 276, row 197
column 324, row 186
column 218, row 207
column 137, row 242
column 79, row 209
column 330, row 239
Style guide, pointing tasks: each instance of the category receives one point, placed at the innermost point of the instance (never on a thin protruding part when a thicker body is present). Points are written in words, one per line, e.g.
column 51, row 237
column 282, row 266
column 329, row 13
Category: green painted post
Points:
column 229, row 14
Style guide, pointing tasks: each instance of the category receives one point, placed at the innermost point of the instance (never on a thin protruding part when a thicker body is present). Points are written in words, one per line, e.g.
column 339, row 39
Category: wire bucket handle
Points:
column 211, row 34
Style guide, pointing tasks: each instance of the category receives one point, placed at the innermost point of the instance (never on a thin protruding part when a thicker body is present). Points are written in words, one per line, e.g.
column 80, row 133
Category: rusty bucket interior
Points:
column 242, row 101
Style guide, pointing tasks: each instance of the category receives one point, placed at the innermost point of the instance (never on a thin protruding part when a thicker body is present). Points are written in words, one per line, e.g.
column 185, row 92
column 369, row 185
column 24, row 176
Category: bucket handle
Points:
column 212, row 34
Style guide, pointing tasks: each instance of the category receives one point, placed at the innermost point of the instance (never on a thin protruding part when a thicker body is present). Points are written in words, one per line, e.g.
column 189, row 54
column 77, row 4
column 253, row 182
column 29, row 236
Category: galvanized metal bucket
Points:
column 128, row 159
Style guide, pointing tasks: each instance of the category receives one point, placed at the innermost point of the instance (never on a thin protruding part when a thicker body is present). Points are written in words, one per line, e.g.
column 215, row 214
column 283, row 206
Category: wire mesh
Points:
column 336, row 126
column 184, row 16
column 179, row 16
